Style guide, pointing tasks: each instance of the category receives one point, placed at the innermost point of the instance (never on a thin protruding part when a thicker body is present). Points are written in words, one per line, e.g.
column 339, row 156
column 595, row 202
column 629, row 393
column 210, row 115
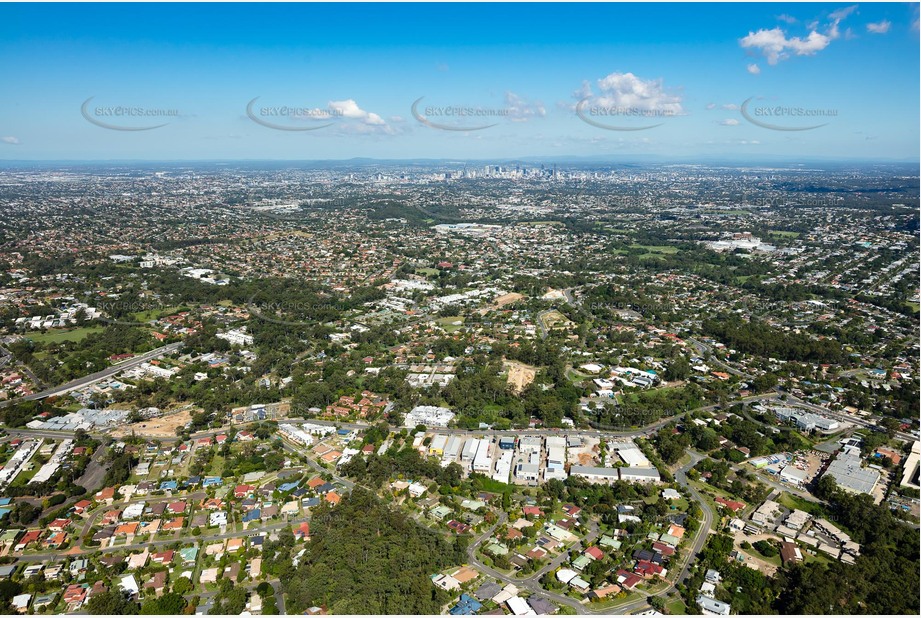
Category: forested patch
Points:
column 366, row 558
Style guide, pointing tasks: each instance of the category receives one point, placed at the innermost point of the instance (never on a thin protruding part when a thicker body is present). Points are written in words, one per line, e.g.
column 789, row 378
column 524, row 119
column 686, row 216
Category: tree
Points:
column 170, row 604
column 679, row 369
column 111, row 602
column 8, row 590
column 367, row 558
column 826, row 487
column 182, row 585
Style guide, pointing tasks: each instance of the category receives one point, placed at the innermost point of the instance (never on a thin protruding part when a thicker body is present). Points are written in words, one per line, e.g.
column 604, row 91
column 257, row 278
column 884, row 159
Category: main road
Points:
column 99, row 375
column 699, row 541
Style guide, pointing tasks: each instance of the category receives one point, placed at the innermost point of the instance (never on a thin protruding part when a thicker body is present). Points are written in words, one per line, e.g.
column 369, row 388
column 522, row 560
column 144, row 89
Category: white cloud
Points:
column 775, row 46
column 520, row 109
column 836, row 17
column 729, row 122
column 881, row 27
column 787, row 18
column 711, row 105
column 350, row 109
column 754, row 69
column 626, row 90
column 10, row 140
column 730, row 106
column 840, row 14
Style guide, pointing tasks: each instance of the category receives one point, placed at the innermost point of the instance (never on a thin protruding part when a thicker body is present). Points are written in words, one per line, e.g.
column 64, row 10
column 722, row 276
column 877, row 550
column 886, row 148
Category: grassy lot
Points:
column 484, row 483
column 667, row 249
column 540, row 223
column 655, row 251
column 819, row 557
column 774, row 560
column 69, row 334
column 26, row 475
column 784, row 234
column 795, row 502
column 708, row 493
column 449, row 325
column 676, row 607
column 216, row 467
column 427, row 272
column 617, row 600
column 913, row 306
column 154, row 314
column 675, row 506
column 720, row 211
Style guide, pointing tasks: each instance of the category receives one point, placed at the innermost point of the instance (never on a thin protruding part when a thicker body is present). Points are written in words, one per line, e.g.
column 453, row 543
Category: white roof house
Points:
column 519, row 607
column 711, row 607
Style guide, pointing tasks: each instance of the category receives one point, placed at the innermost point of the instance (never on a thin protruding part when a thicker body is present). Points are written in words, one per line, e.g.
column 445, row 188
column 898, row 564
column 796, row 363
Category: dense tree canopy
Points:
column 366, row 558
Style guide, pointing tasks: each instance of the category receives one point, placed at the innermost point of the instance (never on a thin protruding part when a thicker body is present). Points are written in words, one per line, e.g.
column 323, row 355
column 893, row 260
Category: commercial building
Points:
column 637, row 474
column 765, row 514
column 556, row 458
column 237, row 337
column 805, row 421
column 430, row 416
column 437, row 445
column 469, row 450
column 793, row 475
column 850, row 475
column 609, row 476
column 452, row 448
column 630, row 454
column 503, row 467
column 528, row 467
column 295, row 434
column 482, row 462
column 910, row 467
column 529, row 444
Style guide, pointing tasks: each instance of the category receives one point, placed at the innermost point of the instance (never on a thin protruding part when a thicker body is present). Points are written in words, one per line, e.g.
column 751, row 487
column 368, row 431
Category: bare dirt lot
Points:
column 519, row 375
column 163, row 427
column 508, row 299
column 555, row 319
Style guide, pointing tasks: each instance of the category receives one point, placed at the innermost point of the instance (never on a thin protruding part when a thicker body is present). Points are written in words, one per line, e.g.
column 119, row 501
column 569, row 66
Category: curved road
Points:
column 699, row 541
column 530, row 584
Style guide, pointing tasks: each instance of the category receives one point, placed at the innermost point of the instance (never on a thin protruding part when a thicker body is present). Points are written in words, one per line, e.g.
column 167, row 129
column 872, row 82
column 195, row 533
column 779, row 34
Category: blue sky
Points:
column 623, row 80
